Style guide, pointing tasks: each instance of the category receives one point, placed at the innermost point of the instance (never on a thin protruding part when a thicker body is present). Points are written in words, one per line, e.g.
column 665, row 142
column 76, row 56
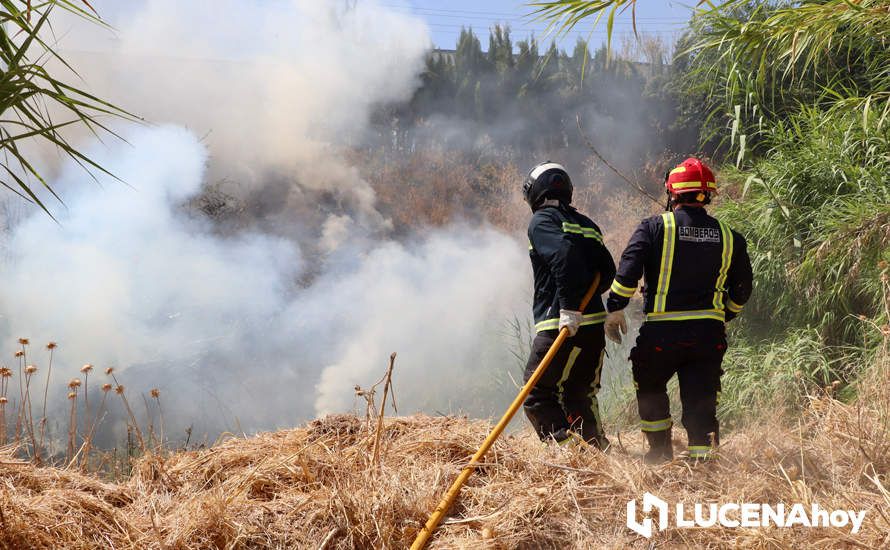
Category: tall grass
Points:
column 776, row 377
column 814, row 210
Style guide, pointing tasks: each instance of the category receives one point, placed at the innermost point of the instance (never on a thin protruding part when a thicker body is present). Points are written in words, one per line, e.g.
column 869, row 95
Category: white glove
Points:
column 615, row 325
column 570, row 319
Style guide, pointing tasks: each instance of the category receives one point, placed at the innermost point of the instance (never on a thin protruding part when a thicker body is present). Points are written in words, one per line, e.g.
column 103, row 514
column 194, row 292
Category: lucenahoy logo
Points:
column 733, row 514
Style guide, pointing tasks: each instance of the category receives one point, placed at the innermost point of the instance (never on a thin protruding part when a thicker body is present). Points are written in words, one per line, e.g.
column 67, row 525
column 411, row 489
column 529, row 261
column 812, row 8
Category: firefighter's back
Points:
column 687, row 266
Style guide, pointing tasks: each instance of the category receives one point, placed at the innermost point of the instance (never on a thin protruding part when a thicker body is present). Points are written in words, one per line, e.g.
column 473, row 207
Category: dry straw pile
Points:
column 317, row 487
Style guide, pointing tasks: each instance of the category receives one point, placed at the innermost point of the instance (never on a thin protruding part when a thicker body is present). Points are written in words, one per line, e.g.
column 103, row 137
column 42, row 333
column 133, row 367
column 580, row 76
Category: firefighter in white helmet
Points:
column 567, row 251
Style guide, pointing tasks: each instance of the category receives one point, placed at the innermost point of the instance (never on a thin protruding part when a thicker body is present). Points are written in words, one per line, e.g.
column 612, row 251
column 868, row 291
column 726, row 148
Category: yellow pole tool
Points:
column 424, row 535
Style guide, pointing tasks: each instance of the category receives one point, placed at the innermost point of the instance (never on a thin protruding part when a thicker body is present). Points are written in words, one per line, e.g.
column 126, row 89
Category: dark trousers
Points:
column 694, row 351
column 565, row 397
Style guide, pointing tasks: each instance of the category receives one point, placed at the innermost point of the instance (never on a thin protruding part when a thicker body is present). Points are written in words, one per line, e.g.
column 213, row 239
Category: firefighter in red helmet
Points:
column 697, row 276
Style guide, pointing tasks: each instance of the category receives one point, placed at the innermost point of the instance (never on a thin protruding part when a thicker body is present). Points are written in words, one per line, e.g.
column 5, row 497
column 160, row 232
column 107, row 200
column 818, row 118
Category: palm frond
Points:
column 29, row 93
column 777, row 56
column 562, row 16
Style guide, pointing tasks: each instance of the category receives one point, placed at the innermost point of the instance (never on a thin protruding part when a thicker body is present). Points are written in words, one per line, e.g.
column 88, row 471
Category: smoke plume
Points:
column 274, row 323
column 270, row 87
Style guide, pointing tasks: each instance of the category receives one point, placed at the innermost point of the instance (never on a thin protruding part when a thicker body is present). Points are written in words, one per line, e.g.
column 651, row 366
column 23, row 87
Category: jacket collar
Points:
column 691, row 210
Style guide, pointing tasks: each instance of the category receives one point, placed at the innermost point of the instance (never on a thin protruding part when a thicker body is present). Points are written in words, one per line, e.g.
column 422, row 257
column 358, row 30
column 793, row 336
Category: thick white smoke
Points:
column 438, row 304
column 127, row 279
column 123, row 278
column 268, row 85
column 247, row 330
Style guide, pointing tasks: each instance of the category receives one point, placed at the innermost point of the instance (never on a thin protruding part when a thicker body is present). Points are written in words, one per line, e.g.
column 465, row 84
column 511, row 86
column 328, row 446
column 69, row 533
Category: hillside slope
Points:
column 314, row 487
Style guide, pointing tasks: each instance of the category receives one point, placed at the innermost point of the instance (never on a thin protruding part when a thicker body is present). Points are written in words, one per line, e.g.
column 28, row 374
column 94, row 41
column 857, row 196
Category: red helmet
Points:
column 691, row 175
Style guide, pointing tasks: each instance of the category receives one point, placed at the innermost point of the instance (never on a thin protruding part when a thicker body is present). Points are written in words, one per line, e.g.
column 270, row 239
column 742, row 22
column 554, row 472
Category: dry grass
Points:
column 316, row 486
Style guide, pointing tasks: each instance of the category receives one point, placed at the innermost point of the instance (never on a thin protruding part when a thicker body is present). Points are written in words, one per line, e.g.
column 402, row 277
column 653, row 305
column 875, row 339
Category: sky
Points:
column 445, row 19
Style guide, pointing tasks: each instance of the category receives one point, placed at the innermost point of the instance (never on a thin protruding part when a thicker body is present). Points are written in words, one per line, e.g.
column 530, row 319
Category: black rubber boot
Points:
column 561, row 437
column 660, row 447
column 564, row 437
column 590, row 432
